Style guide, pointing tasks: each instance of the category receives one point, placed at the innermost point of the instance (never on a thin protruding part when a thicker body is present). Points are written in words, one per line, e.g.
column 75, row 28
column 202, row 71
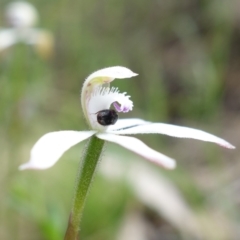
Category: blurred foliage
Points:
column 187, row 55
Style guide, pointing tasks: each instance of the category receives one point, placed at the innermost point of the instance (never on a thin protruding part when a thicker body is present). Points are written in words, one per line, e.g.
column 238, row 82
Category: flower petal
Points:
column 106, row 75
column 175, row 131
column 137, row 146
column 102, row 98
column 50, row 147
column 7, row 38
column 126, row 123
column 99, row 78
column 21, row 14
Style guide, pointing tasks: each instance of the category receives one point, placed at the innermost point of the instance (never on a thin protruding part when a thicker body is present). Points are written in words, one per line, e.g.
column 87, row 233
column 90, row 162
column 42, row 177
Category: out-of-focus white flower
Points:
column 21, row 18
column 96, row 99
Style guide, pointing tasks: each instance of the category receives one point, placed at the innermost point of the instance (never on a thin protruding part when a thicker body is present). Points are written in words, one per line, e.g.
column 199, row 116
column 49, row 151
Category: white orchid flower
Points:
column 22, row 17
column 96, row 99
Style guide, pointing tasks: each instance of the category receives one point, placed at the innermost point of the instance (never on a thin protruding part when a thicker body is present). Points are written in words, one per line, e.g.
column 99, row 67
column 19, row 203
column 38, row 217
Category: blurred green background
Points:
column 187, row 55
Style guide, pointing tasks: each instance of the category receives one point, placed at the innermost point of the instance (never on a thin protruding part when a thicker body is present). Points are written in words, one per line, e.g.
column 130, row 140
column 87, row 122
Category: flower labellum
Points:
column 97, row 97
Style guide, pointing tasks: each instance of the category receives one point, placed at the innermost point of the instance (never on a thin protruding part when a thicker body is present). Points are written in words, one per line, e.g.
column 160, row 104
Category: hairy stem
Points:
column 90, row 158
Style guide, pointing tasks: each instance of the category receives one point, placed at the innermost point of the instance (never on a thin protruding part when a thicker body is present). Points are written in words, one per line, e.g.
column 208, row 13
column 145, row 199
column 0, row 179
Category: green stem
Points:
column 91, row 156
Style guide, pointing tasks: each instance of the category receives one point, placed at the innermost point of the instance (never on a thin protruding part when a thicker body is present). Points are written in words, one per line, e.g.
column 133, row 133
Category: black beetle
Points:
column 107, row 117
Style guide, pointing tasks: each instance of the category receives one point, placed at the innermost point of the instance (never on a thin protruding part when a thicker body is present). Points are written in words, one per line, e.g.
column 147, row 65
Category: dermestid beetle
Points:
column 107, row 117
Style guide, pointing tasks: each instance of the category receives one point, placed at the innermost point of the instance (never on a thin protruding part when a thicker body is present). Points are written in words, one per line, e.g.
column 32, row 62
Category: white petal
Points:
column 159, row 193
column 97, row 79
column 35, row 36
column 50, row 147
column 137, row 146
column 102, row 99
column 107, row 75
column 175, row 131
column 21, row 14
column 126, row 123
column 7, row 38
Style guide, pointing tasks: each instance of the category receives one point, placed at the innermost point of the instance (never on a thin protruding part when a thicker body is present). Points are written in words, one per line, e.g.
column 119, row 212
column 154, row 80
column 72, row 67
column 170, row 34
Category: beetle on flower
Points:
column 96, row 98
